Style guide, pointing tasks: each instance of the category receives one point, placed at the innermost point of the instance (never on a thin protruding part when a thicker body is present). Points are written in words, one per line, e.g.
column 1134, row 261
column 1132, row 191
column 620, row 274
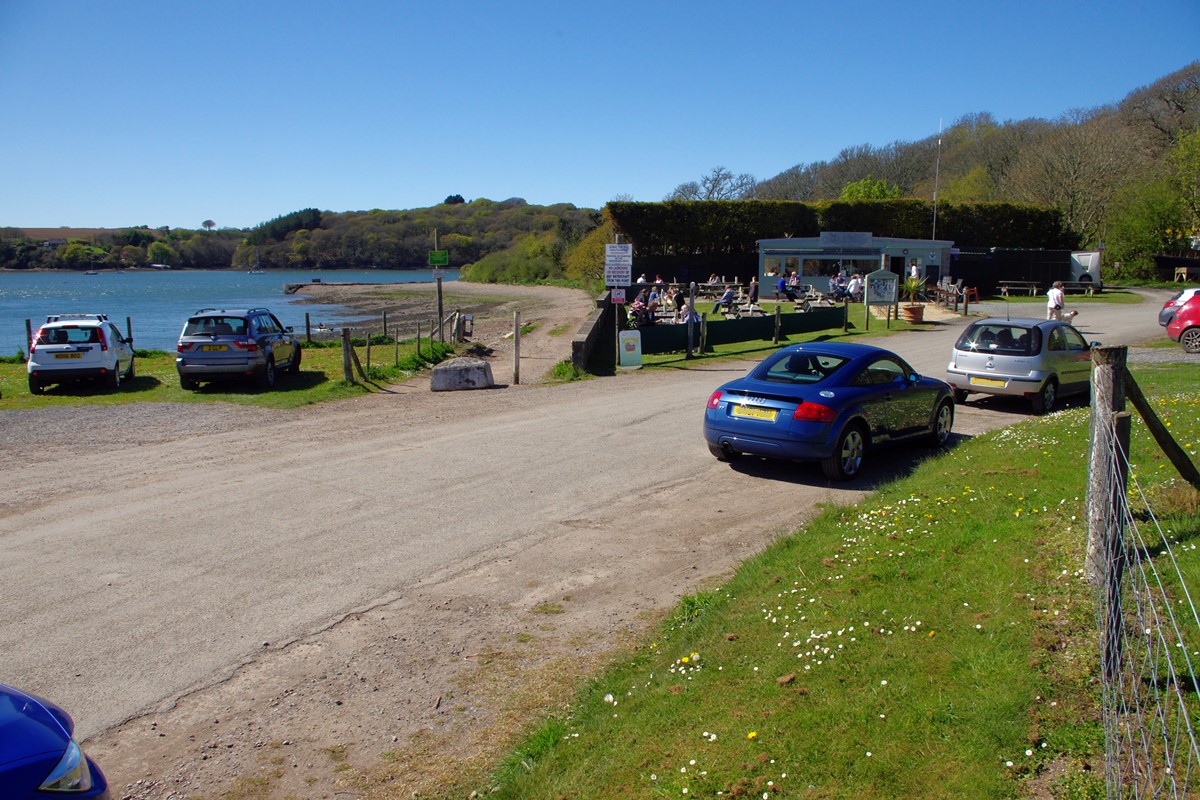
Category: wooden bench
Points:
column 1079, row 287
column 1012, row 287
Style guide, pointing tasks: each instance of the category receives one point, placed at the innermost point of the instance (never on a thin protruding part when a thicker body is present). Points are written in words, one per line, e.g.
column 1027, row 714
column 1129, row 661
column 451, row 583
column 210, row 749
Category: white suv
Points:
column 74, row 347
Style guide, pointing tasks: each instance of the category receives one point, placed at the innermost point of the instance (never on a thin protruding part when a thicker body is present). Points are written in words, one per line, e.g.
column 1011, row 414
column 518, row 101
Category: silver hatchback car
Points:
column 230, row 343
column 1041, row 360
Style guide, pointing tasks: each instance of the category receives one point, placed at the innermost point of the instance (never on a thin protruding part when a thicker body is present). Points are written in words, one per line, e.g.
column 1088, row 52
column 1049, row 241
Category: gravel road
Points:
column 222, row 593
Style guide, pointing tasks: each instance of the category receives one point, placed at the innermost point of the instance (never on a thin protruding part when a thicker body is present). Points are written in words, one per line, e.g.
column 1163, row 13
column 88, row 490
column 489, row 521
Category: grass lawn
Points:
column 320, row 379
column 936, row 641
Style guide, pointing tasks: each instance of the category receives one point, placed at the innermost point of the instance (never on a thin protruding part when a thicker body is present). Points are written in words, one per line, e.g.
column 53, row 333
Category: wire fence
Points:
column 1149, row 630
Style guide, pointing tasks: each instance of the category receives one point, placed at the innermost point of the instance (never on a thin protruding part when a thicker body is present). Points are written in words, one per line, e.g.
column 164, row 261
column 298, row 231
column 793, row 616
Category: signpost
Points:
column 618, row 273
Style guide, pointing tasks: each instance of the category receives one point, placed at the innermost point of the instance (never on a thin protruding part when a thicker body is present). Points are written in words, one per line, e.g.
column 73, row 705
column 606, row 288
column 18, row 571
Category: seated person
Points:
column 725, row 299
column 786, row 289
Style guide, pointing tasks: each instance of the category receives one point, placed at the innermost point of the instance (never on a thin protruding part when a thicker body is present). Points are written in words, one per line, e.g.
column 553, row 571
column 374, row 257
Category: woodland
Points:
column 1125, row 177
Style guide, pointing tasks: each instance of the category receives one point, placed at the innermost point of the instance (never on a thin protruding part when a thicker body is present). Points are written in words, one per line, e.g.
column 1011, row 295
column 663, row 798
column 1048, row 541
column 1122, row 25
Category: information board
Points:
column 618, row 264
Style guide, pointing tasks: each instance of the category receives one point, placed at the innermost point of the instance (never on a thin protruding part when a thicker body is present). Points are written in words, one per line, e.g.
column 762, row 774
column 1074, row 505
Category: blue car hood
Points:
column 30, row 727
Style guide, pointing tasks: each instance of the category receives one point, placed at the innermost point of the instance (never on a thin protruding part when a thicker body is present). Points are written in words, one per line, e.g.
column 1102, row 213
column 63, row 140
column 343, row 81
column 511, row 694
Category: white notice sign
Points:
column 618, row 264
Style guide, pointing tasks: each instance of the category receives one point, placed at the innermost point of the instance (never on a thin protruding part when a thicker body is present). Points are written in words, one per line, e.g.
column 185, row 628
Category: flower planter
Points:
column 913, row 313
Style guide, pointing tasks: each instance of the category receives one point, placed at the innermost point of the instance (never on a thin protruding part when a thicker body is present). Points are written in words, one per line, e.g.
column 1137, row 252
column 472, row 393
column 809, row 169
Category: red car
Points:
column 1185, row 325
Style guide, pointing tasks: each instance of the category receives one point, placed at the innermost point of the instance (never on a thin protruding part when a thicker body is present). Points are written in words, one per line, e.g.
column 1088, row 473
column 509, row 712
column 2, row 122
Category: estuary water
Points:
column 159, row 301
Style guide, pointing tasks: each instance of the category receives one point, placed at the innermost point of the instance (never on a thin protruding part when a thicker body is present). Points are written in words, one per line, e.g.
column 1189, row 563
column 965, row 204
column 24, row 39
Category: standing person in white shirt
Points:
column 1054, row 301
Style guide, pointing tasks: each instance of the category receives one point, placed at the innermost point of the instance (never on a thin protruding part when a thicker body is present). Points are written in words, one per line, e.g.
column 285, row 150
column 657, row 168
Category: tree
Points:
column 208, row 225
column 454, row 200
column 870, row 189
column 720, row 184
column 1185, row 164
column 162, row 253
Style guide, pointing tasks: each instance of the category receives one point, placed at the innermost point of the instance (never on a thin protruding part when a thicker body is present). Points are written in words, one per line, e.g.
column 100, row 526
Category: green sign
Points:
column 439, row 258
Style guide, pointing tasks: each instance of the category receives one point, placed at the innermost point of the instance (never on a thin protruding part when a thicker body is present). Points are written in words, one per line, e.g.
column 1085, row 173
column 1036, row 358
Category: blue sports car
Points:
column 826, row 402
column 39, row 757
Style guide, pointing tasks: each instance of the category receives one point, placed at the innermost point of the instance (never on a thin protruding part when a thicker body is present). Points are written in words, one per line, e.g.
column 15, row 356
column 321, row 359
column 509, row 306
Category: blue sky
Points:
column 171, row 112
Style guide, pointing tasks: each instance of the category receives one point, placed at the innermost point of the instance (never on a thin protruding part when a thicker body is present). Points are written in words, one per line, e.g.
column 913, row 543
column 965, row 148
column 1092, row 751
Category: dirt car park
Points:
column 371, row 587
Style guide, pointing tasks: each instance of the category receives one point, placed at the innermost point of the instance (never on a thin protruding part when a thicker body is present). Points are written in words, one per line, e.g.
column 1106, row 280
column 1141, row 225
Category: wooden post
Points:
column 1108, row 397
column 129, row 329
column 846, row 315
column 396, row 341
column 691, row 316
column 1114, row 549
column 418, row 340
column 347, row 371
column 368, row 349
column 517, row 347
column 441, row 313
column 307, row 328
column 28, row 336
column 384, row 324
column 778, row 323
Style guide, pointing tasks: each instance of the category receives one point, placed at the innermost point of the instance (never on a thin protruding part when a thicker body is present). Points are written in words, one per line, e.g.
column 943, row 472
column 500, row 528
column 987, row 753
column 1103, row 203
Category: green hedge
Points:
column 688, row 228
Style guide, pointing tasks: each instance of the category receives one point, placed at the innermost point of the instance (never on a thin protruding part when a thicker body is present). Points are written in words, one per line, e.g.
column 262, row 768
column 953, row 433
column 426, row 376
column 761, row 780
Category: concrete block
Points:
column 462, row 373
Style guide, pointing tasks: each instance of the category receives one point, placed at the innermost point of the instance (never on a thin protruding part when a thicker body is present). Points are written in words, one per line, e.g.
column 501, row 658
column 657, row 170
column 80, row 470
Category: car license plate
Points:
column 992, row 382
column 68, row 355
column 214, row 348
column 755, row 412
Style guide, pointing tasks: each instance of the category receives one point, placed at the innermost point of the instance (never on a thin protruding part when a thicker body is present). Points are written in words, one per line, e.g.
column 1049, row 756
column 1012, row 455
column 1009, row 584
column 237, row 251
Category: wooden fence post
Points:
column 307, row 328
column 1108, row 397
column 517, row 347
column 1114, row 548
column 347, row 370
column 778, row 323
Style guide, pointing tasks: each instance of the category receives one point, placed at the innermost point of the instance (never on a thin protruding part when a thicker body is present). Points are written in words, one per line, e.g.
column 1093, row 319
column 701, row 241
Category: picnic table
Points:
column 1013, row 287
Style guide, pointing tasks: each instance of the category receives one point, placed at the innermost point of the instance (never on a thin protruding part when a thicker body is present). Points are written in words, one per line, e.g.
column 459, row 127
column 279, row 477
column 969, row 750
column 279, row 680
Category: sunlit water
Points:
column 158, row 302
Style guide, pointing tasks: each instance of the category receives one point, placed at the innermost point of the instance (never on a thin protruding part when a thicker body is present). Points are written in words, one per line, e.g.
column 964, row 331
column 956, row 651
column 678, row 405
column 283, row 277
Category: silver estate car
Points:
column 231, row 343
column 1041, row 360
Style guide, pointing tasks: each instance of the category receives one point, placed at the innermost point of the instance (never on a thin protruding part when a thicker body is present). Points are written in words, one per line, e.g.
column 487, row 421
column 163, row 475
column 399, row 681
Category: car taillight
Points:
column 814, row 412
column 715, row 399
column 250, row 345
column 103, row 339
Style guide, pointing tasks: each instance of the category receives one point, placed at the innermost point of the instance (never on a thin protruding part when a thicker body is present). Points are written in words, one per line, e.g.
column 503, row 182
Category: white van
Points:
column 1085, row 267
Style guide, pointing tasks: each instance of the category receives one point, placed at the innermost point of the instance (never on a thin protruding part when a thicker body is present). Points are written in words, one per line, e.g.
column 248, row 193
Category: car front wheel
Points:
column 1044, row 400
column 1190, row 339
column 294, row 367
column 847, row 457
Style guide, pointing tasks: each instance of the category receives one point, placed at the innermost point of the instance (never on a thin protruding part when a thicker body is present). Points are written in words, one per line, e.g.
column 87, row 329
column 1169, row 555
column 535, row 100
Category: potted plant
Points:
column 912, row 289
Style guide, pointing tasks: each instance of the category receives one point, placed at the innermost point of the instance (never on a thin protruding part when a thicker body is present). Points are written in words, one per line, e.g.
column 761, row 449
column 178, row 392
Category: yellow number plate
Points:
column 68, row 355
column 754, row 412
column 214, row 348
column 992, row 382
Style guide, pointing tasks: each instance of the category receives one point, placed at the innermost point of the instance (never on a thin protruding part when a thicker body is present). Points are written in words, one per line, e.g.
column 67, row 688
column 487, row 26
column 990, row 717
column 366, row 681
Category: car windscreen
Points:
column 215, row 326
column 1001, row 338
column 797, row 367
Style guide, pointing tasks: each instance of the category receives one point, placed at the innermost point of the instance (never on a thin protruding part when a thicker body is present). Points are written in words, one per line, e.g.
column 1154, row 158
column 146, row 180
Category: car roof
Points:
column 76, row 319
column 229, row 312
column 845, row 349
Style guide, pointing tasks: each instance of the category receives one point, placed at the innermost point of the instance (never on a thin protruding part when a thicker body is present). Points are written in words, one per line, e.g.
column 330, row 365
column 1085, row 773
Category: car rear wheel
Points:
column 723, row 453
column 190, row 384
column 35, row 386
column 1190, row 339
column 943, row 423
column 1045, row 400
column 266, row 377
column 113, row 379
column 847, row 457
column 130, row 374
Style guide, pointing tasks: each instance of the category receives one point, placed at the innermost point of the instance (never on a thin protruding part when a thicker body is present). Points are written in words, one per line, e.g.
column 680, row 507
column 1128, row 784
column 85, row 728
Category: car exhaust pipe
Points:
column 727, row 450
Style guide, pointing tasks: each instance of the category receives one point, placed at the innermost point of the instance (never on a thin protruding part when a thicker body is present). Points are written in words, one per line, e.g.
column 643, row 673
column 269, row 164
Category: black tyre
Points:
column 721, row 454
column 130, row 373
column 113, row 379
column 1045, row 400
column 960, row 395
column 1190, row 339
column 36, row 386
column 943, row 423
column 847, row 457
column 294, row 367
column 191, row 384
column 265, row 379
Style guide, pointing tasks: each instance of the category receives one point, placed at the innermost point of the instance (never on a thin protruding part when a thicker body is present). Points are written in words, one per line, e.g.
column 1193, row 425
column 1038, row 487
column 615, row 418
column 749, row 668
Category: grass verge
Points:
column 320, row 379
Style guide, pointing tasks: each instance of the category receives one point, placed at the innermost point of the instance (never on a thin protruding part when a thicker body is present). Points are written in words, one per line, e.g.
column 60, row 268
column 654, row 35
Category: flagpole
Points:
column 937, row 172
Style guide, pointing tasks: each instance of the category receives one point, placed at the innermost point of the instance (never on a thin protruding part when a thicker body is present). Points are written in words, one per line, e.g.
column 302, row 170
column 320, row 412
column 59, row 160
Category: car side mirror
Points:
column 1093, row 344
